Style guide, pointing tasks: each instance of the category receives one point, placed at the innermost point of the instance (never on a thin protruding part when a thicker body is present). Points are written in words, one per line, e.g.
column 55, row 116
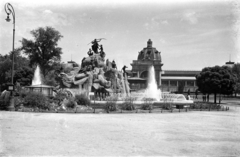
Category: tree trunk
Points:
column 215, row 98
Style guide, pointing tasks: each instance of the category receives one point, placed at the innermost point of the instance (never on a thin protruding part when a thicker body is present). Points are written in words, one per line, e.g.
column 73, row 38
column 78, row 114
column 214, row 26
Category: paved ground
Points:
column 192, row 133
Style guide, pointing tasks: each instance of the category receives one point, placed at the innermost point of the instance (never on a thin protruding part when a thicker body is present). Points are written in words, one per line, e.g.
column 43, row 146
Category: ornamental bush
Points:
column 128, row 104
column 71, row 104
column 148, row 104
column 111, row 103
column 59, row 97
column 36, row 100
column 82, row 99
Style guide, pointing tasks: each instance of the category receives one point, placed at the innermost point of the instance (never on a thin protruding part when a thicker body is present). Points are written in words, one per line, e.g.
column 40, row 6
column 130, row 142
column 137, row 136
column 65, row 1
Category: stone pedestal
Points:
column 11, row 105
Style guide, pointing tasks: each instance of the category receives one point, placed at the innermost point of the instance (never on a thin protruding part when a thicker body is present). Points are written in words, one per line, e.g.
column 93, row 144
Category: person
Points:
column 196, row 94
column 207, row 97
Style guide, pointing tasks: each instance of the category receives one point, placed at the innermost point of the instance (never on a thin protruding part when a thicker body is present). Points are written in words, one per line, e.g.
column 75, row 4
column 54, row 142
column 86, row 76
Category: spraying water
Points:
column 37, row 77
column 152, row 90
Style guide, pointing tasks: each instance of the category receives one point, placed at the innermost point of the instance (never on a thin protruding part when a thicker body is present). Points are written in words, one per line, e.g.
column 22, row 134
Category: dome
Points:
column 149, row 53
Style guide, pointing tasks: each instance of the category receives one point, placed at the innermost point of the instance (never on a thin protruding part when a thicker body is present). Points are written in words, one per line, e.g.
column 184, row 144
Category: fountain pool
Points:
column 154, row 93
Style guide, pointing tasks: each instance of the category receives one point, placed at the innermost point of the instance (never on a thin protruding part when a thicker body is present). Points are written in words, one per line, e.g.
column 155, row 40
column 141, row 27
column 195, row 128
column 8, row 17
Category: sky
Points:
column 190, row 35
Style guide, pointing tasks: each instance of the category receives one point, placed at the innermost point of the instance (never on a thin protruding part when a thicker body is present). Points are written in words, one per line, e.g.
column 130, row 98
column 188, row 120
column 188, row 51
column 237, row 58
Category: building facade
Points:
column 167, row 80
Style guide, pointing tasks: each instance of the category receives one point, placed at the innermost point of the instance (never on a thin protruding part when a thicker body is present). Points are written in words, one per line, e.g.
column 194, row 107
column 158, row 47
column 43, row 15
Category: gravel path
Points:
column 194, row 133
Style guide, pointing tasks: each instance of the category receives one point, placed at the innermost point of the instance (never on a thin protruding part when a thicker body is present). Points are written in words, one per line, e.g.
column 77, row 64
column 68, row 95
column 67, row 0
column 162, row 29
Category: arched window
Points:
column 144, row 74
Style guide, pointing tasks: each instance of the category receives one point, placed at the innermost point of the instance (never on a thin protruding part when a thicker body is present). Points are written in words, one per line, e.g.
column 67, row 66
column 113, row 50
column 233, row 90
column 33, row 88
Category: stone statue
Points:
column 95, row 45
column 124, row 70
column 114, row 65
column 94, row 75
column 90, row 52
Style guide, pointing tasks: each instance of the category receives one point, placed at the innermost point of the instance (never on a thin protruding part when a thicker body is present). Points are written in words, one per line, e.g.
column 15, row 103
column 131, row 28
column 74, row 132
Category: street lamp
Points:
column 9, row 10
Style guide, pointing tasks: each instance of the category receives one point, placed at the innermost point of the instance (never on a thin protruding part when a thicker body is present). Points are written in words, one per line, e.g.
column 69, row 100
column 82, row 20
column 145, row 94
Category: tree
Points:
column 216, row 80
column 236, row 71
column 43, row 49
column 24, row 76
column 5, row 71
column 6, row 65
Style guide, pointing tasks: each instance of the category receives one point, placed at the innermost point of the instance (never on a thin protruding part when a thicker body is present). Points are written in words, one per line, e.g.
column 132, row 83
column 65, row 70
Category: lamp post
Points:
column 9, row 10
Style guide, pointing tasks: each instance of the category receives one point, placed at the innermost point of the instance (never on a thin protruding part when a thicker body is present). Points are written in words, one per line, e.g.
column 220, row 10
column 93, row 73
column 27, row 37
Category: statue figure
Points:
column 114, row 66
column 124, row 70
column 101, row 48
column 90, row 52
column 95, row 45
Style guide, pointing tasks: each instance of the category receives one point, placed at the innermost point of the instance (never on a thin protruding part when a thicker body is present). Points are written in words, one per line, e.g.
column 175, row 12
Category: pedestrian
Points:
column 207, row 97
column 196, row 94
column 204, row 97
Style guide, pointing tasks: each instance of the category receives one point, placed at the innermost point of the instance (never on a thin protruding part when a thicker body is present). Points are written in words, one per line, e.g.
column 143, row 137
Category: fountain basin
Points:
column 142, row 102
column 44, row 89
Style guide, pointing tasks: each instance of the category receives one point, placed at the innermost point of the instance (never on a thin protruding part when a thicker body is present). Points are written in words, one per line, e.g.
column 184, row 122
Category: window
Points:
column 190, row 83
column 165, row 83
column 173, row 83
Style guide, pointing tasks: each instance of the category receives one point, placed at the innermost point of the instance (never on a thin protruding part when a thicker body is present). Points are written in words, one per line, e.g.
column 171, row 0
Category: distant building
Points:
column 167, row 80
column 229, row 64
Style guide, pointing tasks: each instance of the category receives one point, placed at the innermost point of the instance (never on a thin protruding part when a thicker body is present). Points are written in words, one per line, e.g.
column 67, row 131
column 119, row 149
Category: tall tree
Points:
column 24, row 76
column 43, row 49
column 21, row 65
column 236, row 71
column 216, row 80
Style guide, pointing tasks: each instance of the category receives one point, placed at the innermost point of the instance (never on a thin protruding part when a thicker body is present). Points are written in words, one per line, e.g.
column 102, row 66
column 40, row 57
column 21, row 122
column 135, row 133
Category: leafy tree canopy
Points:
column 216, row 80
column 236, row 71
column 43, row 50
column 21, row 63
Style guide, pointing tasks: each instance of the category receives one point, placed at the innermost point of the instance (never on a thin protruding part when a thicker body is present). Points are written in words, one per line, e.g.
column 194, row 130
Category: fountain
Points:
column 37, row 77
column 37, row 85
column 152, row 91
column 100, row 78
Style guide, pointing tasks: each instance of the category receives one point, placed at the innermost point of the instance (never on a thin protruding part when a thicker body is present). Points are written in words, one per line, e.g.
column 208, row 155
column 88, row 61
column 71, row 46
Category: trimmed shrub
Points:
column 36, row 100
column 82, row 99
column 148, row 104
column 206, row 106
column 167, row 106
column 59, row 97
column 128, row 104
column 111, row 103
column 23, row 93
column 71, row 104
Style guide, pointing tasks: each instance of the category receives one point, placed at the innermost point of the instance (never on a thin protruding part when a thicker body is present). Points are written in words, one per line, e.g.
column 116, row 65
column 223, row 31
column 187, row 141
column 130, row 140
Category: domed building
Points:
column 146, row 57
column 168, row 80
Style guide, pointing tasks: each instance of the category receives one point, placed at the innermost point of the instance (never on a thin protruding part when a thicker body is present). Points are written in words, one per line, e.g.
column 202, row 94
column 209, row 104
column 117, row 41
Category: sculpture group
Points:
column 94, row 75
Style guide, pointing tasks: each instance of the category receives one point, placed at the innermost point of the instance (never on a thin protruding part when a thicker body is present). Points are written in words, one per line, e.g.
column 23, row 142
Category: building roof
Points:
column 177, row 78
column 229, row 62
column 180, row 72
column 136, row 78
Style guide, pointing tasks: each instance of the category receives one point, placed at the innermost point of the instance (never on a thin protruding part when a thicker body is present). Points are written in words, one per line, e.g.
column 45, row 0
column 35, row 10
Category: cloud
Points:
column 164, row 22
column 155, row 23
column 51, row 18
column 47, row 12
column 190, row 17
